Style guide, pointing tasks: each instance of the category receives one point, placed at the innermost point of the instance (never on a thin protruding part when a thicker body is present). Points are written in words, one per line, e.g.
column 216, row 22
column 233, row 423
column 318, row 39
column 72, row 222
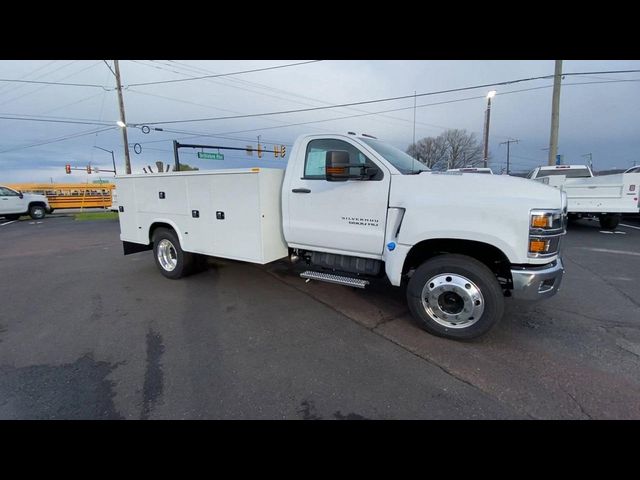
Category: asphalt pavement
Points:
column 86, row 332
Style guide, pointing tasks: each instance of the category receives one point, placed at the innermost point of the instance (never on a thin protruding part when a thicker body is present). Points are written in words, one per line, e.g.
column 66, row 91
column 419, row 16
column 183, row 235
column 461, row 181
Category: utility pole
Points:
column 414, row 118
column 508, row 143
column 487, row 119
column 123, row 121
column 555, row 113
column 590, row 160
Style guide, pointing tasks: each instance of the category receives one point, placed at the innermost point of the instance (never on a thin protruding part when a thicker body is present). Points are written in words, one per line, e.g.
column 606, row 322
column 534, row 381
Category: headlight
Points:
column 546, row 227
column 546, row 220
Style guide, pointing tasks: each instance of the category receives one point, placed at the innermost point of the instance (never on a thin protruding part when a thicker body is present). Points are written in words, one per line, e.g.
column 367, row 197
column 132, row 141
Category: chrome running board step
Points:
column 329, row 278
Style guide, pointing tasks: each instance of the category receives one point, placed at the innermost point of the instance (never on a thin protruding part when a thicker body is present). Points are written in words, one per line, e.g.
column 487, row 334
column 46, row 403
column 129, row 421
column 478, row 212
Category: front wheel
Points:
column 609, row 222
column 172, row 261
column 37, row 212
column 455, row 296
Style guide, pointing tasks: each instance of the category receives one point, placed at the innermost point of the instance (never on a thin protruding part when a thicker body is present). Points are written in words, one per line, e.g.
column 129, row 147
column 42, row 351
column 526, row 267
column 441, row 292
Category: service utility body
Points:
column 355, row 209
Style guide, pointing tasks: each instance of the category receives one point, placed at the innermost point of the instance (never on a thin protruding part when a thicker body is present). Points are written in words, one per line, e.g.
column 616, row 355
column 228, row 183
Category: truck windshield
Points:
column 405, row 163
column 569, row 172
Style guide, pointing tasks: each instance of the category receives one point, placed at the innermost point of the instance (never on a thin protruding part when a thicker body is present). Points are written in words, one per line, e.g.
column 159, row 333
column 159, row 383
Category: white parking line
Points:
column 7, row 223
column 606, row 250
column 629, row 226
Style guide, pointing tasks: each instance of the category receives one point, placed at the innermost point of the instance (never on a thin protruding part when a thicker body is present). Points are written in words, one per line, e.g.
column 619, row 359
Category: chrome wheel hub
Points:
column 452, row 300
column 167, row 256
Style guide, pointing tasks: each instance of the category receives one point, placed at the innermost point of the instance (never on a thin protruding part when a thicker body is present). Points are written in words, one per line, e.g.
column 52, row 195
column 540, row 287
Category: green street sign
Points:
column 211, row 156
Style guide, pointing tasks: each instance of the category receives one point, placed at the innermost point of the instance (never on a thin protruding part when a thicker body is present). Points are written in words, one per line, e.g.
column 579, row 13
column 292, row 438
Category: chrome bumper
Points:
column 537, row 282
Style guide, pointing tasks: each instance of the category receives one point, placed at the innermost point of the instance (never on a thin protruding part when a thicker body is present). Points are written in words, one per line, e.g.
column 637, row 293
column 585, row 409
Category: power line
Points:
column 58, row 139
column 388, row 99
column 109, row 67
column 2, row 87
column 272, row 89
column 52, row 83
column 223, row 74
column 45, row 86
column 55, row 121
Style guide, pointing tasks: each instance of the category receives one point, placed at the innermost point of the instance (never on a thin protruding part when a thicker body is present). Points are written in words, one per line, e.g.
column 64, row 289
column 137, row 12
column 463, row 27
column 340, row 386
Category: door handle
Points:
column 301, row 190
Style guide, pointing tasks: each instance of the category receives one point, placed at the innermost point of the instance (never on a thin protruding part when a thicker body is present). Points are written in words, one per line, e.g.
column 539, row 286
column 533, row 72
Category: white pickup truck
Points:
column 14, row 204
column 355, row 209
column 606, row 197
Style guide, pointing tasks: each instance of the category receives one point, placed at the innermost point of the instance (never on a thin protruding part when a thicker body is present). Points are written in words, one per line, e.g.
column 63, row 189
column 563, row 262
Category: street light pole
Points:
column 113, row 159
column 490, row 95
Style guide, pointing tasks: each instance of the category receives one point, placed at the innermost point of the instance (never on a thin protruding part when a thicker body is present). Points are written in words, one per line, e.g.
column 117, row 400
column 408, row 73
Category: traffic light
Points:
column 88, row 168
column 283, row 151
column 67, row 168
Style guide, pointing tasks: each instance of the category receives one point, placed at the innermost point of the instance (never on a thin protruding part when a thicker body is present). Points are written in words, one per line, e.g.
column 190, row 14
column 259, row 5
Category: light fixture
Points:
column 491, row 94
column 121, row 124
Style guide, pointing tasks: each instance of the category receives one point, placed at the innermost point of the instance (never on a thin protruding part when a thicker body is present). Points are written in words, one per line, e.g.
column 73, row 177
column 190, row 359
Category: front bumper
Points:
column 535, row 283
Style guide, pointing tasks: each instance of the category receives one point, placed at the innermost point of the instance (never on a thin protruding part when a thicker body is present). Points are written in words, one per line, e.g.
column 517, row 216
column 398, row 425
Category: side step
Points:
column 340, row 280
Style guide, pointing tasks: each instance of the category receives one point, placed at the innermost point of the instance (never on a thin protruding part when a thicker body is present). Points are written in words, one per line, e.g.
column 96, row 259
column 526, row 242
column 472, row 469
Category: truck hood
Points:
column 462, row 188
column 493, row 209
column 34, row 197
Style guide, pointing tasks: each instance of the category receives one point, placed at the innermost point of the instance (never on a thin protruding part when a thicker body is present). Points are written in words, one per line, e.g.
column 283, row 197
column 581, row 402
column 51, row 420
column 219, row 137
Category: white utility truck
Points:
column 14, row 204
column 606, row 197
column 354, row 209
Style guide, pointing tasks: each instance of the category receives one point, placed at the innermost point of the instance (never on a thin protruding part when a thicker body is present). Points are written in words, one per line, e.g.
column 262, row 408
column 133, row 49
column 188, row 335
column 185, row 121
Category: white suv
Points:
column 14, row 203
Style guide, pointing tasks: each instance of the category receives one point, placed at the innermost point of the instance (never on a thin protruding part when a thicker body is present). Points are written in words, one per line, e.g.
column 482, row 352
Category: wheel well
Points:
column 491, row 256
column 156, row 226
column 37, row 203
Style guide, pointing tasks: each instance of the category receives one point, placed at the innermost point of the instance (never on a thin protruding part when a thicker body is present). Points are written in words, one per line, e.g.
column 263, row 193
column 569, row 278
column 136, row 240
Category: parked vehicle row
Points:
column 605, row 197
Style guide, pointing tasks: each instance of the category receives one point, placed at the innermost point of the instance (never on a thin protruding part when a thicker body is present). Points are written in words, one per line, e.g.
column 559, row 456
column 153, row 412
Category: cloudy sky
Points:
column 599, row 113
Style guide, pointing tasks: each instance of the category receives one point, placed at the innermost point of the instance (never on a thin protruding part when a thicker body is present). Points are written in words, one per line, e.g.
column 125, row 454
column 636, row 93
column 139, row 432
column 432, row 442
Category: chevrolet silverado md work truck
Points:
column 355, row 209
column 605, row 197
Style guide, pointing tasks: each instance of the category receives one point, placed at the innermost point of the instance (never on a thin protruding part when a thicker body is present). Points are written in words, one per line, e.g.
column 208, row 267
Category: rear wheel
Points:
column 609, row 222
column 455, row 296
column 172, row 261
column 37, row 212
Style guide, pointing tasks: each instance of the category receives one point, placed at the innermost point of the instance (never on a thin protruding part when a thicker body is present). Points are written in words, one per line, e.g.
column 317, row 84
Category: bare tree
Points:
column 430, row 150
column 453, row 148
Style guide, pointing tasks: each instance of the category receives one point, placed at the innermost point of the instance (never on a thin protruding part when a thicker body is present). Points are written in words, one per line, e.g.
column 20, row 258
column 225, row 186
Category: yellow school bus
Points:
column 71, row 195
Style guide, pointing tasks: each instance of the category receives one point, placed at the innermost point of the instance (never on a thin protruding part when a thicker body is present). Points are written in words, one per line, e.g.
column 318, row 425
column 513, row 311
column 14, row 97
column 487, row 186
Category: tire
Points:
column 609, row 222
column 170, row 259
column 37, row 212
column 462, row 297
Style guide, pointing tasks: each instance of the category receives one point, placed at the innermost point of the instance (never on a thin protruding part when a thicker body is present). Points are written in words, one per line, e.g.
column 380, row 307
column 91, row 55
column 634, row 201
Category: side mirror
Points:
column 337, row 168
column 337, row 165
column 20, row 194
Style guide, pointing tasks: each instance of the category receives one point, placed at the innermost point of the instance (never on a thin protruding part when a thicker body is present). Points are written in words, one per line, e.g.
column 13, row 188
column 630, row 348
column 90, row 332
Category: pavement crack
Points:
column 617, row 289
column 403, row 347
column 584, row 412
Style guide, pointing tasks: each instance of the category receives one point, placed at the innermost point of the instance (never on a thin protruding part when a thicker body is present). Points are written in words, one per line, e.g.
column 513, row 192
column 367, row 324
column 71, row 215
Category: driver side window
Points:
column 314, row 165
column 5, row 192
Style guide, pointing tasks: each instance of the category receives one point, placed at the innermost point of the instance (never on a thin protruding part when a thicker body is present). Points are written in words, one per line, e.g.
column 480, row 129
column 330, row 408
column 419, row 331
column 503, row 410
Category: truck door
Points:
column 342, row 216
column 10, row 202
